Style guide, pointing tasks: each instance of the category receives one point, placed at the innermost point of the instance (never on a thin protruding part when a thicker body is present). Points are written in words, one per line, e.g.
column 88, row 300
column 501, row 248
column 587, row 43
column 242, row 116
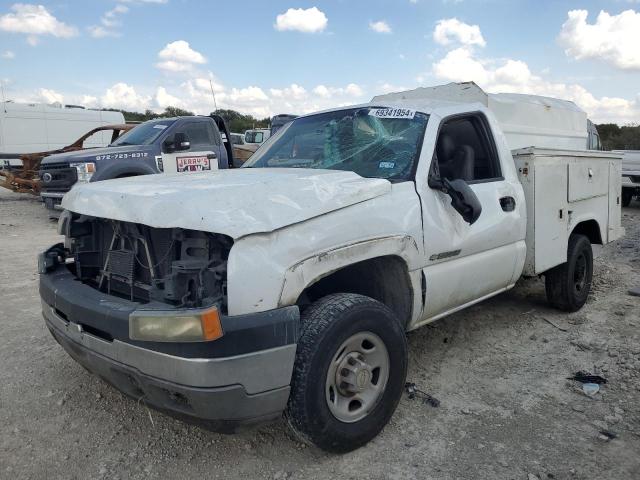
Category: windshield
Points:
column 144, row 134
column 372, row 142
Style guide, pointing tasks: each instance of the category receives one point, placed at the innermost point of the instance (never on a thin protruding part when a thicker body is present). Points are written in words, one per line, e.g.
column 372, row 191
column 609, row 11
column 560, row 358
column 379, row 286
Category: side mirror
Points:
column 181, row 142
column 463, row 199
column 168, row 146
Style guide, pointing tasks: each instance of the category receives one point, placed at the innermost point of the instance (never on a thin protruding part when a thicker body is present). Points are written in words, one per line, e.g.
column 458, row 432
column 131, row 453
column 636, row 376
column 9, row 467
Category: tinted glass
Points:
column 144, row 134
column 198, row 134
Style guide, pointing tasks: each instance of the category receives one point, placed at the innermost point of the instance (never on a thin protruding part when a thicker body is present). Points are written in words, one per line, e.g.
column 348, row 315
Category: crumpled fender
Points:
column 310, row 270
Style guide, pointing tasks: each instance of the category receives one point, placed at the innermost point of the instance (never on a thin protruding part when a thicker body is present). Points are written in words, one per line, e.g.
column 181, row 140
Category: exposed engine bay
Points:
column 183, row 268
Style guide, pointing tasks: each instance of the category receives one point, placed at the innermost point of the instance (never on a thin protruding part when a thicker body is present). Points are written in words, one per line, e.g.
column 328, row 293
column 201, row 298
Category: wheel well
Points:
column 589, row 229
column 385, row 279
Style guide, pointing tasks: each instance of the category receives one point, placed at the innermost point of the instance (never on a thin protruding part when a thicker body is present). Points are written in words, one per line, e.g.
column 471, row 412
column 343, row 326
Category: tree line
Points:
column 236, row 121
column 615, row 137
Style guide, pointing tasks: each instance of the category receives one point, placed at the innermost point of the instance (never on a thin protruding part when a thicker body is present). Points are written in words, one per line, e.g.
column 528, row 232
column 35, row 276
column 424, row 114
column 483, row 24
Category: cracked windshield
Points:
column 372, row 142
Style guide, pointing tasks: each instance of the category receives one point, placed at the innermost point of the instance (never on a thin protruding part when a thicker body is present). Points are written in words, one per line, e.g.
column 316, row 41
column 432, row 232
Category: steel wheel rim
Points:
column 580, row 273
column 357, row 377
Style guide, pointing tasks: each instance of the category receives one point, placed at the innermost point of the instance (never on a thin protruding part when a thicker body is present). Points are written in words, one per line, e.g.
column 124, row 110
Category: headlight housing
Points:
column 175, row 326
column 85, row 170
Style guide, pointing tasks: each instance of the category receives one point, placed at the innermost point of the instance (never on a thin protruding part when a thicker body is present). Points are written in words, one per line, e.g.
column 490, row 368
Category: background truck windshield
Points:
column 144, row 134
column 372, row 142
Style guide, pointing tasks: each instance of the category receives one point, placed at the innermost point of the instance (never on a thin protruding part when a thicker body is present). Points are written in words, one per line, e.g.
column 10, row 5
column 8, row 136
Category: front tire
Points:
column 568, row 285
column 349, row 374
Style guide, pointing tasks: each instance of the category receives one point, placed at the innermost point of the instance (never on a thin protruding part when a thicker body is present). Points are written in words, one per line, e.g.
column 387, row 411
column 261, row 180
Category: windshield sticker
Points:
column 387, row 165
column 160, row 127
column 122, row 156
column 392, row 113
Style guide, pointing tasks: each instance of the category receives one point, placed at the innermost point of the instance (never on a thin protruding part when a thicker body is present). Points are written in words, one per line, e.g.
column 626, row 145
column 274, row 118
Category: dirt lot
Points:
column 499, row 370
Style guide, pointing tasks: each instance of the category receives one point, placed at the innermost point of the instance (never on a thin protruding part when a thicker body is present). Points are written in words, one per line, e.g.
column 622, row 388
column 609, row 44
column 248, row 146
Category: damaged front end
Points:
column 178, row 267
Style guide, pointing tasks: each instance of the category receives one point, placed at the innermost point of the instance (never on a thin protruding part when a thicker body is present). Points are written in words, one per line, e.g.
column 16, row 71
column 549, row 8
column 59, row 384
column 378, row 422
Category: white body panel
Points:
column 563, row 189
column 525, row 120
column 27, row 128
column 489, row 254
column 232, row 202
column 630, row 168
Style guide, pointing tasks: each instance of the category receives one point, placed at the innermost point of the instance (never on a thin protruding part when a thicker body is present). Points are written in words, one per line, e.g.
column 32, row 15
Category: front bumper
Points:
column 249, row 384
column 52, row 200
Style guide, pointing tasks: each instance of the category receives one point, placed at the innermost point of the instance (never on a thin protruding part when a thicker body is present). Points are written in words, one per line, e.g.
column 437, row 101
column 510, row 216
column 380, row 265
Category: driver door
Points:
column 192, row 147
column 465, row 263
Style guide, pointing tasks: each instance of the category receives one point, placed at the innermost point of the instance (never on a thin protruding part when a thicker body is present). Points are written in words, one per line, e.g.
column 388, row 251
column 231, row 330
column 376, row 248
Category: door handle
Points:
column 212, row 156
column 508, row 204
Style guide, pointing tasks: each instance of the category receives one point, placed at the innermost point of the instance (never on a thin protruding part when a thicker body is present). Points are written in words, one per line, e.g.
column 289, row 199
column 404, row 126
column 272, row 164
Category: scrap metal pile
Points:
column 24, row 179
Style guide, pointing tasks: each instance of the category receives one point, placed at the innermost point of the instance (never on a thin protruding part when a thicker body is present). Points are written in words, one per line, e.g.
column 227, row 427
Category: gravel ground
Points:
column 499, row 370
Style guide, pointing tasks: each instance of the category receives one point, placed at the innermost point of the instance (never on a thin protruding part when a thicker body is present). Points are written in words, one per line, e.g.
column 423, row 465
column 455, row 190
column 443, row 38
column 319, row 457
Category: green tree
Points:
column 238, row 122
column 614, row 137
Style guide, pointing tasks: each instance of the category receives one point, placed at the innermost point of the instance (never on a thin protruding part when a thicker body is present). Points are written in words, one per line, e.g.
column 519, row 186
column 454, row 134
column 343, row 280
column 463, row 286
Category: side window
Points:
column 258, row 137
column 466, row 151
column 98, row 139
column 198, row 134
column 214, row 134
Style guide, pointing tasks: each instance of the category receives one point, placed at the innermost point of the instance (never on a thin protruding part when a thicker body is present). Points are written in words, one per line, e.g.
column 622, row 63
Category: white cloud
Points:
column 351, row 90
column 294, row 91
column 34, row 20
column 310, row 20
column 380, row 26
column 49, row 96
column 125, row 96
column 613, row 39
column 452, row 31
column 98, row 31
column 110, row 18
column 515, row 76
column 164, row 99
column 89, row 101
column 162, row 2
column 8, row 55
column 178, row 56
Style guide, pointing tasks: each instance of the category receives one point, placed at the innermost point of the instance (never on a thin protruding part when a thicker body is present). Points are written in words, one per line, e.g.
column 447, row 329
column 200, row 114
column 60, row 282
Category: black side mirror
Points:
column 463, row 199
column 181, row 142
column 168, row 146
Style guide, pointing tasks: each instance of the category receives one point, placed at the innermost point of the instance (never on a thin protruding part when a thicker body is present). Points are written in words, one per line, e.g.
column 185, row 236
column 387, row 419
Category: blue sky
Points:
column 276, row 56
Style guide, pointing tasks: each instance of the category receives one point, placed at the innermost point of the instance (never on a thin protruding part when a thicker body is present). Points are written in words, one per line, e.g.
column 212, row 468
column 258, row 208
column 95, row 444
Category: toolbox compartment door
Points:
column 614, row 230
column 588, row 180
column 551, row 216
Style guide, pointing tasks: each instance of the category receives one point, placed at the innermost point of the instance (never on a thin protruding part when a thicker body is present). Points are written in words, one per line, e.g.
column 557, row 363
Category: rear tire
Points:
column 568, row 285
column 627, row 196
column 349, row 374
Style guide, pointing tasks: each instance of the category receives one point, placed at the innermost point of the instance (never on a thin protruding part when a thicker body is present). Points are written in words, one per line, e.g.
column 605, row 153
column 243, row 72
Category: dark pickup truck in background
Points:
column 169, row 145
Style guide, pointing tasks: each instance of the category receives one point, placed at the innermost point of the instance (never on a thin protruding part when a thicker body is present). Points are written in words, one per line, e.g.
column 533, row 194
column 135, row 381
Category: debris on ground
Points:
column 415, row 392
column 585, row 377
column 608, row 434
column 590, row 389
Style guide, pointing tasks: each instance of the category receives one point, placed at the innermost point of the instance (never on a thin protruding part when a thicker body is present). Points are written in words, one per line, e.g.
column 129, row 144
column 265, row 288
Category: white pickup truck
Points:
column 630, row 175
column 288, row 285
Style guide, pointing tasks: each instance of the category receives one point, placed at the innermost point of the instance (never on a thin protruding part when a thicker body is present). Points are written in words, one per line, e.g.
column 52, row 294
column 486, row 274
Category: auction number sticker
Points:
column 193, row 164
column 122, row 156
column 392, row 113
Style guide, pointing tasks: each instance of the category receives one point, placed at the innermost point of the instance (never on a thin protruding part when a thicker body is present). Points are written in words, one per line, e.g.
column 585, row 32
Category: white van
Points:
column 32, row 127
